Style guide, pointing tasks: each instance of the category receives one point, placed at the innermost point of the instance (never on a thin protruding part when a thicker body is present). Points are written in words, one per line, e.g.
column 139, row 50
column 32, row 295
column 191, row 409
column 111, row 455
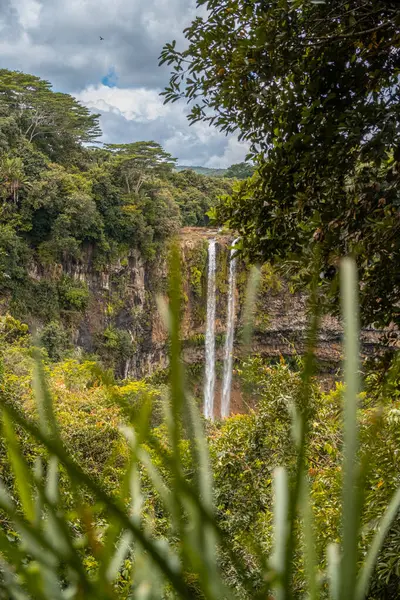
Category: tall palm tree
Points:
column 12, row 176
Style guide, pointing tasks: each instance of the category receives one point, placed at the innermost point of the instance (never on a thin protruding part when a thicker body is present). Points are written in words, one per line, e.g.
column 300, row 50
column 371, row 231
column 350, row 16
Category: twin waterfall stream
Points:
column 209, row 386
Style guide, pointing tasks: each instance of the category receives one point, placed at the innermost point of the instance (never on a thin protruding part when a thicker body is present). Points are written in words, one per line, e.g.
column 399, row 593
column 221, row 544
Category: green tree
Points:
column 61, row 214
column 140, row 161
column 12, row 177
column 55, row 340
column 14, row 257
column 241, row 170
column 314, row 87
column 196, row 194
column 55, row 122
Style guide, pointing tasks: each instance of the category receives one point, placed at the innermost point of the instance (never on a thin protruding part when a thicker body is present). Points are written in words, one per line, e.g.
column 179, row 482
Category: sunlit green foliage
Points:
column 118, row 504
column 196, row 194
column 240, row 171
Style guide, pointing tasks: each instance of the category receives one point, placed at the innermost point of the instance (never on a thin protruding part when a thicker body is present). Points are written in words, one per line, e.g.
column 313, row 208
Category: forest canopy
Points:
column 61, row 194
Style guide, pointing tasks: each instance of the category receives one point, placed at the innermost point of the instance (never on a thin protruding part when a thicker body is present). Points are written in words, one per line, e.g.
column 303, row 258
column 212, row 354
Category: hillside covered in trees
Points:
column 60, row 193
column 236, row 171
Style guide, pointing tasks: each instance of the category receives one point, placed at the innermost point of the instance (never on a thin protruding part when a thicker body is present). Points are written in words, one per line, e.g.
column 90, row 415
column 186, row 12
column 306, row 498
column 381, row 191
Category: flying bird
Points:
column 101, row 37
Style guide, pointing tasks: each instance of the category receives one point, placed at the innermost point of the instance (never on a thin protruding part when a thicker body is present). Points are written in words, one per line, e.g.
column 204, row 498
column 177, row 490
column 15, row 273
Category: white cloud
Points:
column 60, row 41
column 28, row 13
column 138, row 104
column 235, row 152
column 139, row 113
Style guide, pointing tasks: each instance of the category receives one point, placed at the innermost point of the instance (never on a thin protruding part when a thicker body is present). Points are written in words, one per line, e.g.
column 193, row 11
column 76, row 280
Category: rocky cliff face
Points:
column 121, row 320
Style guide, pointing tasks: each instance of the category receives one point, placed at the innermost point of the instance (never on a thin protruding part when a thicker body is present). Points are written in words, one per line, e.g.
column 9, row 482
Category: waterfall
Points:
column 230, row 334
column 210, row 335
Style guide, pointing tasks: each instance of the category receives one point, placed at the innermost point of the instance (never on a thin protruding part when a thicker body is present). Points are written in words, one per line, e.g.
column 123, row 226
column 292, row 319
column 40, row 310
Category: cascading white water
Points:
column 210, row 335
column 230, row 334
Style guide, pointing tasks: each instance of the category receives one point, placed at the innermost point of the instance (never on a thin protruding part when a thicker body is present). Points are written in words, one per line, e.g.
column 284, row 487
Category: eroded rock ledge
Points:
column 122, row 297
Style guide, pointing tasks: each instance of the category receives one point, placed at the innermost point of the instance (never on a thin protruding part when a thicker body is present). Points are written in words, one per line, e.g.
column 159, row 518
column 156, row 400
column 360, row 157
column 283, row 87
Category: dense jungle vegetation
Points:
column 61, row 194
column 106, row 490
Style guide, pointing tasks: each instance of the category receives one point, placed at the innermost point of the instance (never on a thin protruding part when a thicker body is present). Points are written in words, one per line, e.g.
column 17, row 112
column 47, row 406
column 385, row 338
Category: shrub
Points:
column 195, row 281
column 115, row 347
column 73, row 295
column 55, row 340
column 12, row 330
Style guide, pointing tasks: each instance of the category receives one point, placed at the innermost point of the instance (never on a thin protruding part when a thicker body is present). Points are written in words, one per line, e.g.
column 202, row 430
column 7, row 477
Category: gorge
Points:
column 84, row 238
column 121, row 323
column 162, row 436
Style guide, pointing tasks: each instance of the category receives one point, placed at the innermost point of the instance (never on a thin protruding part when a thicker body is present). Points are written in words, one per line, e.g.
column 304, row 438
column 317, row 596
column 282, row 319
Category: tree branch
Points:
column 350, row 35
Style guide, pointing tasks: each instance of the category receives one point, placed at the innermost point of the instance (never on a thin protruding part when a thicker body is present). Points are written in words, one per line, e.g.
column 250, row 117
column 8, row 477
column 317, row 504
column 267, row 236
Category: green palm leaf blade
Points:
column 385, row 523
column 333, row 561
column 351, row 492
column 309, row 542
column 23, row 477
column 281, row 530
column 78, row 475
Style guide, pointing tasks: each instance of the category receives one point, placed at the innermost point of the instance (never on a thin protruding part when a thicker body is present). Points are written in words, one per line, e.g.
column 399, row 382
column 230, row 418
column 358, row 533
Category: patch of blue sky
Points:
column 110, row 80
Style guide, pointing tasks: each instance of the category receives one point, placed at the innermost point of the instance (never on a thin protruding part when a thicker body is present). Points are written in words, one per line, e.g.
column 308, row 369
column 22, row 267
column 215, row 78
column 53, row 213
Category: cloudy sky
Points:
column 119, row 77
